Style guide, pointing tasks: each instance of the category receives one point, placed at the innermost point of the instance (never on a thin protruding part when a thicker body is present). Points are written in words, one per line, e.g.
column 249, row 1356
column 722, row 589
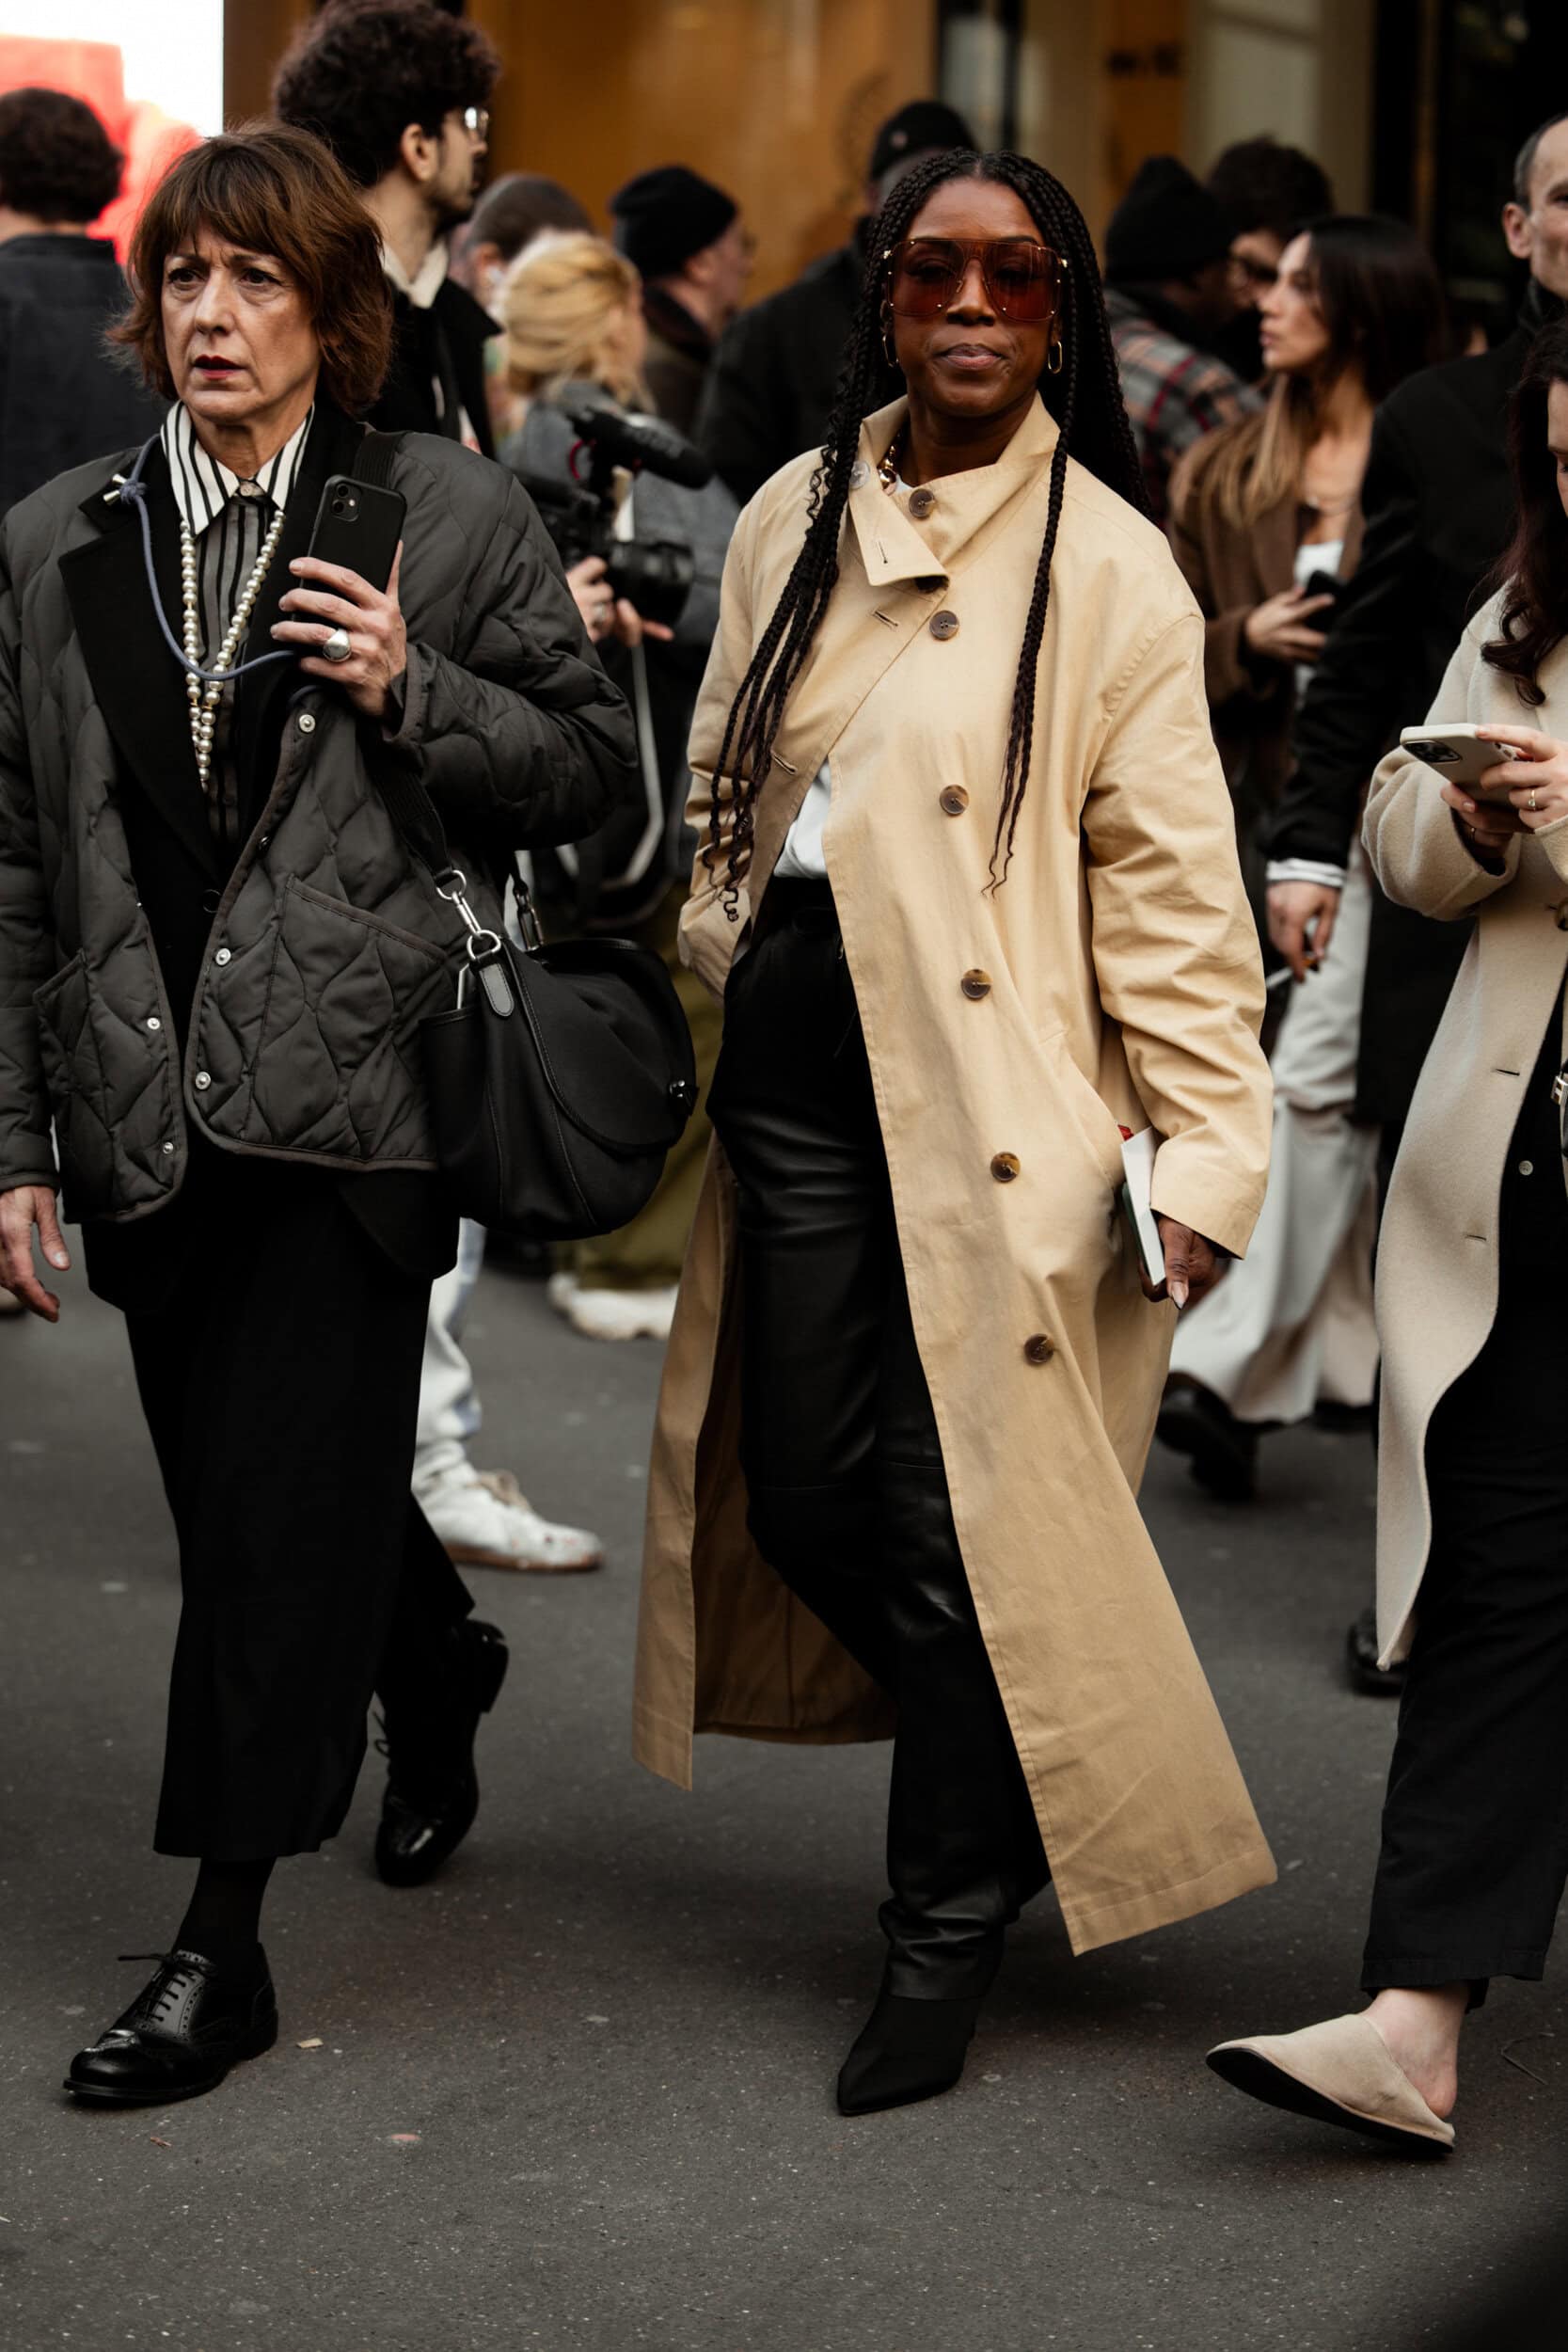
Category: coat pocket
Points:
column 339, row 1069
column 69, row 1053
column 1092, row 1117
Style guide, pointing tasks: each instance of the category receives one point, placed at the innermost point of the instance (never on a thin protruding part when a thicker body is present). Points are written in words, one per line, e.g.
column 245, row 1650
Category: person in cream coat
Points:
column 913, row 1376
column 1472, row 1297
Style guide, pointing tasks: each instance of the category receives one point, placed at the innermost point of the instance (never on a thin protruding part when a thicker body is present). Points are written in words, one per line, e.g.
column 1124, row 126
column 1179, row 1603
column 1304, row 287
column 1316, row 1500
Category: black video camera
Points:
column 653, row 575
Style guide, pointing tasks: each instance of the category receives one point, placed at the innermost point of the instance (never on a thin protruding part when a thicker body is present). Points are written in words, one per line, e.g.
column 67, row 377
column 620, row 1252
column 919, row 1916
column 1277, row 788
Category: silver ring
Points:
column 1532, row 804
column 338, row 646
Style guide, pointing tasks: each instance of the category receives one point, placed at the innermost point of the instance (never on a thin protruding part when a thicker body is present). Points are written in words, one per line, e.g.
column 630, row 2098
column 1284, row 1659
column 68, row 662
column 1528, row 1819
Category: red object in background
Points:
column 93, row 70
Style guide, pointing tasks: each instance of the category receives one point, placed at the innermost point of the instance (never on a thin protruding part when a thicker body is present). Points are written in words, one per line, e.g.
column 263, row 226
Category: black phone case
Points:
column 1323, row 584
column 358, row 525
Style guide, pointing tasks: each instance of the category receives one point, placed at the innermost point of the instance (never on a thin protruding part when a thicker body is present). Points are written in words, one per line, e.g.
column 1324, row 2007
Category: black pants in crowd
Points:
column 1475, row 1827
column 847, row 1494
column 281, row 1380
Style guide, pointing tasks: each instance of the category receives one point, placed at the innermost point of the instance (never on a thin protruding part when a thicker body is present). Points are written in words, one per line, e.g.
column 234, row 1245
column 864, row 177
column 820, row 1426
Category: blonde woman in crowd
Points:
column 576, row 336
column 1266, row 521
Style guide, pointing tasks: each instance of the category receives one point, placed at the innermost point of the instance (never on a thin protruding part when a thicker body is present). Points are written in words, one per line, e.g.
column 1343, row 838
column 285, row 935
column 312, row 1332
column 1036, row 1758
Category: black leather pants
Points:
column 848, row 1496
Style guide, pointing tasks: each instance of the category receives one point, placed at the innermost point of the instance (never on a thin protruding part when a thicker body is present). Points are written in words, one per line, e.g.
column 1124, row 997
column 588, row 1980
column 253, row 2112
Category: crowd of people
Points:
column 981, row 688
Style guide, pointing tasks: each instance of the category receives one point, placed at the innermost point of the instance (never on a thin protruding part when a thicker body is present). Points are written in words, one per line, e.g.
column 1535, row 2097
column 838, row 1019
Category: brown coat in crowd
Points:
column 1231, row 568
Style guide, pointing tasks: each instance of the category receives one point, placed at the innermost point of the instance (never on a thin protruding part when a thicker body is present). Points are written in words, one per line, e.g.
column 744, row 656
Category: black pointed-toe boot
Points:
column 186, row 2029
column 906, row 2050
column 432, row 1786
column 964, row 1853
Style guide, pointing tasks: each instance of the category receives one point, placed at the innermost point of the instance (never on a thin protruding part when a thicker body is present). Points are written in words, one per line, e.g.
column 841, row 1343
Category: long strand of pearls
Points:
column 203, row 701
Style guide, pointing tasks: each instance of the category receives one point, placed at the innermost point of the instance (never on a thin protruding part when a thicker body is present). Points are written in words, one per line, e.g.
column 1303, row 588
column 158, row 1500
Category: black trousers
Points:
column 281, row 1380
column 848, row 1497
column 1475, row 1827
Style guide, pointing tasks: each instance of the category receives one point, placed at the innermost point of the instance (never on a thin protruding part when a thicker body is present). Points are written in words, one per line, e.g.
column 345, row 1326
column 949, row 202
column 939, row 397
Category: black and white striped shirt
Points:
column 228, row 517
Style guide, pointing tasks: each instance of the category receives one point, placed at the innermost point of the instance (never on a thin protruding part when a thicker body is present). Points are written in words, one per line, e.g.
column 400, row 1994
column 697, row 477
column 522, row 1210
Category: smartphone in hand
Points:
column 357, row 526
column 1456, row 752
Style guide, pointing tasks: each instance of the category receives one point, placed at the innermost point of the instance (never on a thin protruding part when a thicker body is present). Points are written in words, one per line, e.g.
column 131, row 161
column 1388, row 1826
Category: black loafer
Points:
column 181, row 2034
column 1366, row 1675
column 906, row 2050
column 1223, row 1450
column 431, row 1787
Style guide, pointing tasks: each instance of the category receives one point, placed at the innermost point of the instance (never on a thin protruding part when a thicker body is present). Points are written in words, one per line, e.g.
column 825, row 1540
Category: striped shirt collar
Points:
column 204, row 485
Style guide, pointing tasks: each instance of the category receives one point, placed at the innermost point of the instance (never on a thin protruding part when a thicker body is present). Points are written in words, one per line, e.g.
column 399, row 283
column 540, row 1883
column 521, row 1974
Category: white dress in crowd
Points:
column 1291, row 1325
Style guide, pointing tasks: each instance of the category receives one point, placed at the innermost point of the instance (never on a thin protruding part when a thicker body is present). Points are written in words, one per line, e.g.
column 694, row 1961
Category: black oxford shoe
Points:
column 181, row 2034
column 431, row 1787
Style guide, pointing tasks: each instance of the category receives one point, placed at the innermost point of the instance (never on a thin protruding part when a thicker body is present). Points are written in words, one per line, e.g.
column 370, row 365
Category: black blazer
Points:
column 180, row 869
column 771, row 388
column 444, row 343
column 1439, row 498
column 63, row 398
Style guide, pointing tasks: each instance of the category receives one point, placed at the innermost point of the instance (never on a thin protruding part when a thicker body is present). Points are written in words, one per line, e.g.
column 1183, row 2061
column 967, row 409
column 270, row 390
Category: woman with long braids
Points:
column 969, row 887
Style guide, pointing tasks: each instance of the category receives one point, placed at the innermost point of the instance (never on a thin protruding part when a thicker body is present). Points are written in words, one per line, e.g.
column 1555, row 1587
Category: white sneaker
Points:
column 484, row 1521
column 645, row 1315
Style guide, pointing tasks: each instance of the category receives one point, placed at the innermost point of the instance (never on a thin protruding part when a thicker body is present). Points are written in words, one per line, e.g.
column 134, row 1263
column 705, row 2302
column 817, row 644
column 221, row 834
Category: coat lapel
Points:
column 137, row 681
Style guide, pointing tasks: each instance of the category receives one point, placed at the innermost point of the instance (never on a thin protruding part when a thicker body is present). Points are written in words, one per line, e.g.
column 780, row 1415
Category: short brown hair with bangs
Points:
column 269, row 190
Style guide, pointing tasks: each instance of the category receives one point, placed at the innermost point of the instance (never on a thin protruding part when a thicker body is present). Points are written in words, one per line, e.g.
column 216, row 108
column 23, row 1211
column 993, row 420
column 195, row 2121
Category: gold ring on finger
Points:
column 1532, row 804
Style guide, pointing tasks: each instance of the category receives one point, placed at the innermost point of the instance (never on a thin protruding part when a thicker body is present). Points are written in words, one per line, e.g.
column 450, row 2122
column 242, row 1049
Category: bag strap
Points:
column 409, row 805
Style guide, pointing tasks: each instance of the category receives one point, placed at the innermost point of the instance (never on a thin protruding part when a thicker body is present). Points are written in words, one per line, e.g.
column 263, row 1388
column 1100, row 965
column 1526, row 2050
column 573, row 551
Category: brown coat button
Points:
column 1004, row 1166
column 945, row 624
column 954, row 799
column 975, row 985
column 921, row 503
column 1040, row 1350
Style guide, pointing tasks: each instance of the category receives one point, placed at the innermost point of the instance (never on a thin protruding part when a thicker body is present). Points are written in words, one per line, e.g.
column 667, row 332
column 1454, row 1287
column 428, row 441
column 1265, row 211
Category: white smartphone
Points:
column 1457, row 753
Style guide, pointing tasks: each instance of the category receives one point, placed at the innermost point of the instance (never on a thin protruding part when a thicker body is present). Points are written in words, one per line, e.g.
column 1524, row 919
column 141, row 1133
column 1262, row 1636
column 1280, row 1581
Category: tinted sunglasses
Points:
column 1023, row 277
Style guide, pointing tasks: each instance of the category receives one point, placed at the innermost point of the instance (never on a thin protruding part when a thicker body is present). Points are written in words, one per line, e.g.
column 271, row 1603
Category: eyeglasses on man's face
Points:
column 476, row 121
column 927, row 276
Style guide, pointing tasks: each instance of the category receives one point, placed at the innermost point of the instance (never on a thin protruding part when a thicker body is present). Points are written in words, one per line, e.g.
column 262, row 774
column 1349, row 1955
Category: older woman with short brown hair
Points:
column 217, row 946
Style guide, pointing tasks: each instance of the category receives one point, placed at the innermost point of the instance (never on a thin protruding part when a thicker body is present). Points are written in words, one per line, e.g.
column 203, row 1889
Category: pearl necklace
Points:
column 203, row 700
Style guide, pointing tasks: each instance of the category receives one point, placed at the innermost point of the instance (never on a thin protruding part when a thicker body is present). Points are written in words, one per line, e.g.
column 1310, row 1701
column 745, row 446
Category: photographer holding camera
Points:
column 644, row 530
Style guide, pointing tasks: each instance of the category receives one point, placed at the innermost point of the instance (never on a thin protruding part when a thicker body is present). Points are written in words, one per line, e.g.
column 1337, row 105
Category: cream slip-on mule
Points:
column 1340, row 2072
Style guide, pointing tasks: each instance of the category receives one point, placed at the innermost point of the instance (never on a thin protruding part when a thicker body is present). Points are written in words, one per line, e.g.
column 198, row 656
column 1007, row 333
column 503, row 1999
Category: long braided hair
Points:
column 1084, row 399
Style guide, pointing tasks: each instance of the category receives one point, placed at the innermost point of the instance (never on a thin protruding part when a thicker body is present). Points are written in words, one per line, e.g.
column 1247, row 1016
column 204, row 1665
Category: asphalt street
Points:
column 576, row 2095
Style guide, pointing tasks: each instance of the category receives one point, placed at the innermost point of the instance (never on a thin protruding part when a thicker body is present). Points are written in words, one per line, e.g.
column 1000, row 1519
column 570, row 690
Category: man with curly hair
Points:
column 62, row 399
column 399, row 91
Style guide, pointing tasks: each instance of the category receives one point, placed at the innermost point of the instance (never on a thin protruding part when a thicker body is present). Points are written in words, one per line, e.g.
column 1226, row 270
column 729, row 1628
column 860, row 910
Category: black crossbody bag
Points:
column 564, row 1073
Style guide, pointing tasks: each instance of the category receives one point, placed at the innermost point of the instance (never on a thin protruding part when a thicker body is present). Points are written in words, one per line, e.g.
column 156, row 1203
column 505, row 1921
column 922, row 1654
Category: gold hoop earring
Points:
column 1055, row 358
column 888, row 351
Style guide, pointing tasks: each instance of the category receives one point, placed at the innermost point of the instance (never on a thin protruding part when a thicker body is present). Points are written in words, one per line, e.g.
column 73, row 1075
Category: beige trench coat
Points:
column 1126, row 987
column 1437, row 1253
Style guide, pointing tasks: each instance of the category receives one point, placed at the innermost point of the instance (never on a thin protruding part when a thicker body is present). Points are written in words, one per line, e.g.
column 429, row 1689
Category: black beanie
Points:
column 664, row 217
column 1166, row 226
column 917, row 129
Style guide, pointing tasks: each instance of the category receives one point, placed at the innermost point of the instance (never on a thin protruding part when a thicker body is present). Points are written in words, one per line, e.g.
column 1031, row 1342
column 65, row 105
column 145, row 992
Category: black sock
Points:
column 223, row 1920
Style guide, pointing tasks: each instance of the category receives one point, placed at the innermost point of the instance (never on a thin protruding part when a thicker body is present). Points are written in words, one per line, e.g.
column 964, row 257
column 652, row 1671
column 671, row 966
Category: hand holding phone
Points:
column 1459, row 752
column 347, row 594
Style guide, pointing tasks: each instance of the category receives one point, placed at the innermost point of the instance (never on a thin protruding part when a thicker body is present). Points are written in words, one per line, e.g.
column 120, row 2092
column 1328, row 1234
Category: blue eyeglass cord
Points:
column 132, row 487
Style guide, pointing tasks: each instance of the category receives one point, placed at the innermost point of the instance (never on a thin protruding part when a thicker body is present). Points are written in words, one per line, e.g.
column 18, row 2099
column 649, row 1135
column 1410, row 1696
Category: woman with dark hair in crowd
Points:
column 968, row 887
column 1472, row 1292
column 1265, row 521
column 217, row 946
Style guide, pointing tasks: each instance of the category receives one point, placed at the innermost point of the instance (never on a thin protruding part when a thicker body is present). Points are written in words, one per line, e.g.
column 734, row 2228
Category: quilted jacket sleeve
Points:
column 517, row 734
column 26, row 948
